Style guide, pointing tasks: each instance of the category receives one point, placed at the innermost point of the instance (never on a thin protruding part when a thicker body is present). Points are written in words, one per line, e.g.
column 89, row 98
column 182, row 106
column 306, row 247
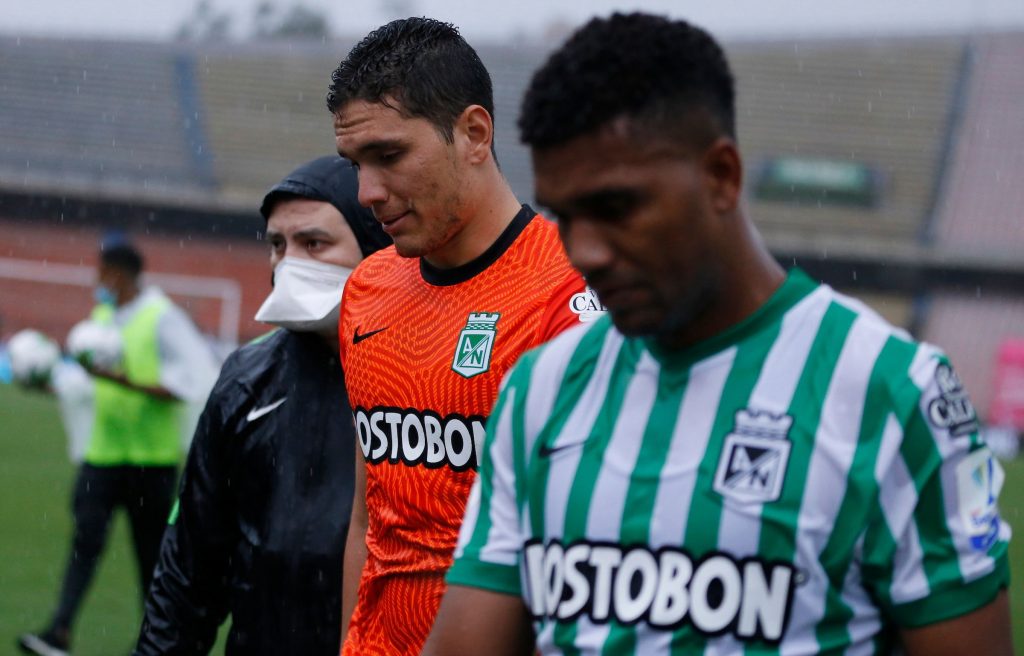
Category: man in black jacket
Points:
column 266, row 493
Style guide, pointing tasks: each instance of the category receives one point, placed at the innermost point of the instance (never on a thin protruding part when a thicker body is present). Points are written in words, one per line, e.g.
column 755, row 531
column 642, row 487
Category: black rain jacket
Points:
column 263, row 511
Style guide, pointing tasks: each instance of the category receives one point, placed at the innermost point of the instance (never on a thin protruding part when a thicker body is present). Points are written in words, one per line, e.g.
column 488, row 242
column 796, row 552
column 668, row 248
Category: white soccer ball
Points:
column 95, row 344
column 33, row 356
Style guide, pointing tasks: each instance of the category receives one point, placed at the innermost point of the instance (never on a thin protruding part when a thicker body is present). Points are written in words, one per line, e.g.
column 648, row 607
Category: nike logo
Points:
column 256, row 413
column 356, row 338
column 546, row 451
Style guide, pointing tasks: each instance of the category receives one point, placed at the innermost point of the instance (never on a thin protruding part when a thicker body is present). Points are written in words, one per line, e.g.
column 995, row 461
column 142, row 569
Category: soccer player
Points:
column 265, row 498
column 428, row 327
column 737, row 460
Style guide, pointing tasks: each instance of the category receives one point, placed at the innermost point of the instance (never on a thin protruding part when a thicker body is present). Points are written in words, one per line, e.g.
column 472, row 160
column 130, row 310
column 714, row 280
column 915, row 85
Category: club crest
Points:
column 473, row 350
column 754, row 457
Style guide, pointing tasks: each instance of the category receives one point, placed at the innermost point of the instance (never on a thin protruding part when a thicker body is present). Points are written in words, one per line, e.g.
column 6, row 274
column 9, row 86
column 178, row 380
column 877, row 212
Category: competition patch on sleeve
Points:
column 951, row 409
column 586, row 305
column 979, row 479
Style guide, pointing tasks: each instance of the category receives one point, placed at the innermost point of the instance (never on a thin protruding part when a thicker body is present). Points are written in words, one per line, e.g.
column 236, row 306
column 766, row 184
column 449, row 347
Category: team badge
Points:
column 754, row 458
column 586, row 305
column 473, row 351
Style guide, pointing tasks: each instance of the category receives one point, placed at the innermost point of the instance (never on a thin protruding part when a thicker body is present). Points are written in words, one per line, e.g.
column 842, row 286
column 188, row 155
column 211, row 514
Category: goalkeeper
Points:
column 134, row 444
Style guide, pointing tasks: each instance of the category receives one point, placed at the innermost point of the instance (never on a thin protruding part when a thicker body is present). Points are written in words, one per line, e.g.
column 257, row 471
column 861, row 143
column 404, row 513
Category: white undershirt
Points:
column 188, row 368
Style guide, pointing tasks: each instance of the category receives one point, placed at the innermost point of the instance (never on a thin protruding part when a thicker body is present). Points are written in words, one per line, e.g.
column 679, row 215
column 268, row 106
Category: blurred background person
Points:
column 146, row 358
column 267, row 490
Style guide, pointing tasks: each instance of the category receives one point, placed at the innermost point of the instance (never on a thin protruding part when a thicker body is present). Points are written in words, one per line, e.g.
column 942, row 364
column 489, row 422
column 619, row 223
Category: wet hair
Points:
column 123, row 257
column 423, row 65
column 671, row 78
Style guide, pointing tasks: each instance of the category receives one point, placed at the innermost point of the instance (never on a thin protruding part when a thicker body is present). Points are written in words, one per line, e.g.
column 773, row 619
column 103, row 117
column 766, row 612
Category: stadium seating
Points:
column 886, row 104
column 981, row 213
column 265, row 111
column 212, row 125
column 92, row 114
column 259, row 110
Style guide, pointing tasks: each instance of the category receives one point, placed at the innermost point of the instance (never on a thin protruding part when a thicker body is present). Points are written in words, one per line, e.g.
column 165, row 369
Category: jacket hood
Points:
column 333, row 180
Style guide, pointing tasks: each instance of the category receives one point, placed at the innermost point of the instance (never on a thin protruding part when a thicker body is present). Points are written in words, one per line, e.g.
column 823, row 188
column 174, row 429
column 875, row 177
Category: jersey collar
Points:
column 796, row 286
column 446, row 277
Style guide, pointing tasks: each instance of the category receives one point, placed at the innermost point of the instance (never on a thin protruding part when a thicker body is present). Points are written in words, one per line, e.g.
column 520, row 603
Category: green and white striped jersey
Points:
column 802, row 483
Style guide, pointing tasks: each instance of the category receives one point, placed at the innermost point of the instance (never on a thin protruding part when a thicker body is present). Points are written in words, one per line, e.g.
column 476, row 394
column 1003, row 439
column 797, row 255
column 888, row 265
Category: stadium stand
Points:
column 93, row 116
column 882, row 105
column 264, row 111
column 982, row 213
column 179, row 141
column 885, row 104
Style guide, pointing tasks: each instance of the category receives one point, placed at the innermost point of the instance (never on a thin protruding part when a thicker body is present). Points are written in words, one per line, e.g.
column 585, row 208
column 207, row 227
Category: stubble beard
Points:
column 432, row 240
column 687, row 310
column 440, row 230
column 437, row 231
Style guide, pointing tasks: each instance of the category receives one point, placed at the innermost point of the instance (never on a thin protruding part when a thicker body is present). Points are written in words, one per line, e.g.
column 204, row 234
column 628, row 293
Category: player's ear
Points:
column 474, row 131
column 723, row 172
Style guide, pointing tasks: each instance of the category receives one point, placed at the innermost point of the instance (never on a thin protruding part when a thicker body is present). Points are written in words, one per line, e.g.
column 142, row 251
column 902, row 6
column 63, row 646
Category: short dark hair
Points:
column 423, row 64
column 123, row 257
column 663, row 72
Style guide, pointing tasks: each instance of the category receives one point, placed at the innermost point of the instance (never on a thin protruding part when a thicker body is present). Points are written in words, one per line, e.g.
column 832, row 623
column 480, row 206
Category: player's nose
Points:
column 372, row 190
column 587, row 246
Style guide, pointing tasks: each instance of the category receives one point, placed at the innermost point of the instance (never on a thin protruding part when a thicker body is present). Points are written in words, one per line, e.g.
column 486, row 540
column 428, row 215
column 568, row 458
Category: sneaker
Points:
column 48, row 643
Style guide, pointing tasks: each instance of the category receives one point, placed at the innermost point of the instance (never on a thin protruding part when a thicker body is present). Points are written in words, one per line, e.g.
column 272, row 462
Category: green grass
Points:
column 35, row 484
column 36, row 478
column 1011, row 504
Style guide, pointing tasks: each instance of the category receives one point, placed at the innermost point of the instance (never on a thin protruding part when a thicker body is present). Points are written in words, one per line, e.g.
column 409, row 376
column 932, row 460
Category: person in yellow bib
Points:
column 135, row 443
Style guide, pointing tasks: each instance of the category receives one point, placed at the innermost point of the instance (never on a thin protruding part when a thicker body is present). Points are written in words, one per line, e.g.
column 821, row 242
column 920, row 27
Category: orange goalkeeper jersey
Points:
column 424, row 351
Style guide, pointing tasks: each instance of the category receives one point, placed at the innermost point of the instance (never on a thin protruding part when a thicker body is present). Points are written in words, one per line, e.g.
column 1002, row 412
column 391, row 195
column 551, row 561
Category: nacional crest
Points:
column 754, row 458
column 473, row 351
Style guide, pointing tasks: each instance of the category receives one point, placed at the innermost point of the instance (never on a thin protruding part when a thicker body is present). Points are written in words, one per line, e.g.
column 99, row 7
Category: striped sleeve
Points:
column 487, row 553
column 947, row 545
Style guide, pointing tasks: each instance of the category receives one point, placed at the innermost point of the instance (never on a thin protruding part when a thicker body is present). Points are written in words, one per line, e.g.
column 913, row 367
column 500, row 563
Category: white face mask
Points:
column 306, row 295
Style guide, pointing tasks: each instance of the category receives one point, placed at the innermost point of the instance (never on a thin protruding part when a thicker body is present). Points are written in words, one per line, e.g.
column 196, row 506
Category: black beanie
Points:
column 333, row 180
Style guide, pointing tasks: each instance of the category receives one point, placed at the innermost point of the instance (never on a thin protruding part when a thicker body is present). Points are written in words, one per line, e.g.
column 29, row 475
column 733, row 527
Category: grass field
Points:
column 35, row 486
column 35, row 483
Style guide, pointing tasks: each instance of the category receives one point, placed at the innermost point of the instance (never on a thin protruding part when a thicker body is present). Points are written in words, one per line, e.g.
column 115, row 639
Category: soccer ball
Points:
column 95, row 345
column 33, row 356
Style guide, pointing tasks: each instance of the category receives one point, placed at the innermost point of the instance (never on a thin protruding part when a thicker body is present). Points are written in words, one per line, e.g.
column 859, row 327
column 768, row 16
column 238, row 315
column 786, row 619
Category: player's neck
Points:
column 748, row 278
column 127, row 294
column 489, row 215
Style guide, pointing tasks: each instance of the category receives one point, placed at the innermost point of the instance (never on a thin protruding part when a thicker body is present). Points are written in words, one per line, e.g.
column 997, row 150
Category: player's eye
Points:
column 612, row 206
column 613, row 209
